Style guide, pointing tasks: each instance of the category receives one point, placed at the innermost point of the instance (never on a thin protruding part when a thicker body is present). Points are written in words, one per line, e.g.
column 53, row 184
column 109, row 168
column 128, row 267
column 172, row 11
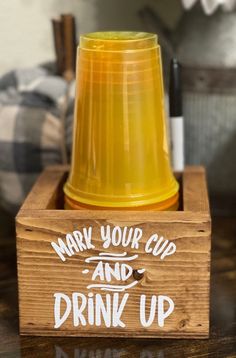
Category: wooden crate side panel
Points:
column 195, row 193
column 183, row 276
column 44, row 193
column 49, row 186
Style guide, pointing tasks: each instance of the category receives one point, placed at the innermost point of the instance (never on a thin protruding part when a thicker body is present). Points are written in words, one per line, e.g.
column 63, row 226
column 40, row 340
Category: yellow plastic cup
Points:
column 169, row 204
column 120, row 153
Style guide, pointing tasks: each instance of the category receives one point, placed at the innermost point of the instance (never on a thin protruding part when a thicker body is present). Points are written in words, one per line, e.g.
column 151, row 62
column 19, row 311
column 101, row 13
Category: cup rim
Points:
column 120, row 201
column 118, row 41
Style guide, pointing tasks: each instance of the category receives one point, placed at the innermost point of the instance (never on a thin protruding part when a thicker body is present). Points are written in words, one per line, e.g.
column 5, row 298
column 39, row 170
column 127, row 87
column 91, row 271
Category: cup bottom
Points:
column 170, row 204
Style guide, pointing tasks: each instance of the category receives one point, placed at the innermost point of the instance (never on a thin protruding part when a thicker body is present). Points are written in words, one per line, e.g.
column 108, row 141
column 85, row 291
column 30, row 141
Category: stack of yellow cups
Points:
column 120, row 156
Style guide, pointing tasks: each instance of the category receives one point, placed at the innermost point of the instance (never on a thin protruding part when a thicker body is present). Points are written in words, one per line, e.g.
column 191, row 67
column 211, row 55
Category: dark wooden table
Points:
column 222, row 342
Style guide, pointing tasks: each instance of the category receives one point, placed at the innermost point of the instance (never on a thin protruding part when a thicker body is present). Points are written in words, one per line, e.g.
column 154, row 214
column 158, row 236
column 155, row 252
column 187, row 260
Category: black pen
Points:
column 176, row 116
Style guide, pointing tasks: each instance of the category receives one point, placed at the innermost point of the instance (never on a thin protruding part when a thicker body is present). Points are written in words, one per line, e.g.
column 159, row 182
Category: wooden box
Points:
column 114, row 273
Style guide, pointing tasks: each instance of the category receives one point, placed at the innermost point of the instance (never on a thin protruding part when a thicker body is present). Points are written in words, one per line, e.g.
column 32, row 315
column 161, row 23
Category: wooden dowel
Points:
column 69, row 41
column 58, row 45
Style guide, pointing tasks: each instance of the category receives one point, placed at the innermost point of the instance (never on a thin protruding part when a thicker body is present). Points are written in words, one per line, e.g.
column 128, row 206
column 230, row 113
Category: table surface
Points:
column 222, row 342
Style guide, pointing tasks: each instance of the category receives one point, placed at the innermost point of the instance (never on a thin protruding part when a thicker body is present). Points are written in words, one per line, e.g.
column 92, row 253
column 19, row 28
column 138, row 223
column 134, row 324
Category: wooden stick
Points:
column 58, row 45
column 69, row 41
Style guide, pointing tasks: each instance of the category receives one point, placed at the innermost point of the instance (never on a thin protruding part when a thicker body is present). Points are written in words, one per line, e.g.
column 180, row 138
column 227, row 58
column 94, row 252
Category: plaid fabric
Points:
column 32, row 104
column 34, row 101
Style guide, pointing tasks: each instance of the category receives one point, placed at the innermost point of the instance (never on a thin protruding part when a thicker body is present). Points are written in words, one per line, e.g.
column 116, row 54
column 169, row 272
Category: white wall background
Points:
column 25, row 27
column 26, row 33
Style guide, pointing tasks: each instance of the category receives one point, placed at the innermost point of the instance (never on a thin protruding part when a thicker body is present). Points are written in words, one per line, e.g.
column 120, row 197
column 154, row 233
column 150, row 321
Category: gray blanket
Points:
column 35, row 106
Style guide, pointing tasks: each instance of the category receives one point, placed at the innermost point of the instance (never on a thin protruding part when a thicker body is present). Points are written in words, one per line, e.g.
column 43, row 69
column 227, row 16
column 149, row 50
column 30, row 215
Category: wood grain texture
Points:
column 195, row 195
column 221, row 344
column 183, row 276
column 209, row 80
